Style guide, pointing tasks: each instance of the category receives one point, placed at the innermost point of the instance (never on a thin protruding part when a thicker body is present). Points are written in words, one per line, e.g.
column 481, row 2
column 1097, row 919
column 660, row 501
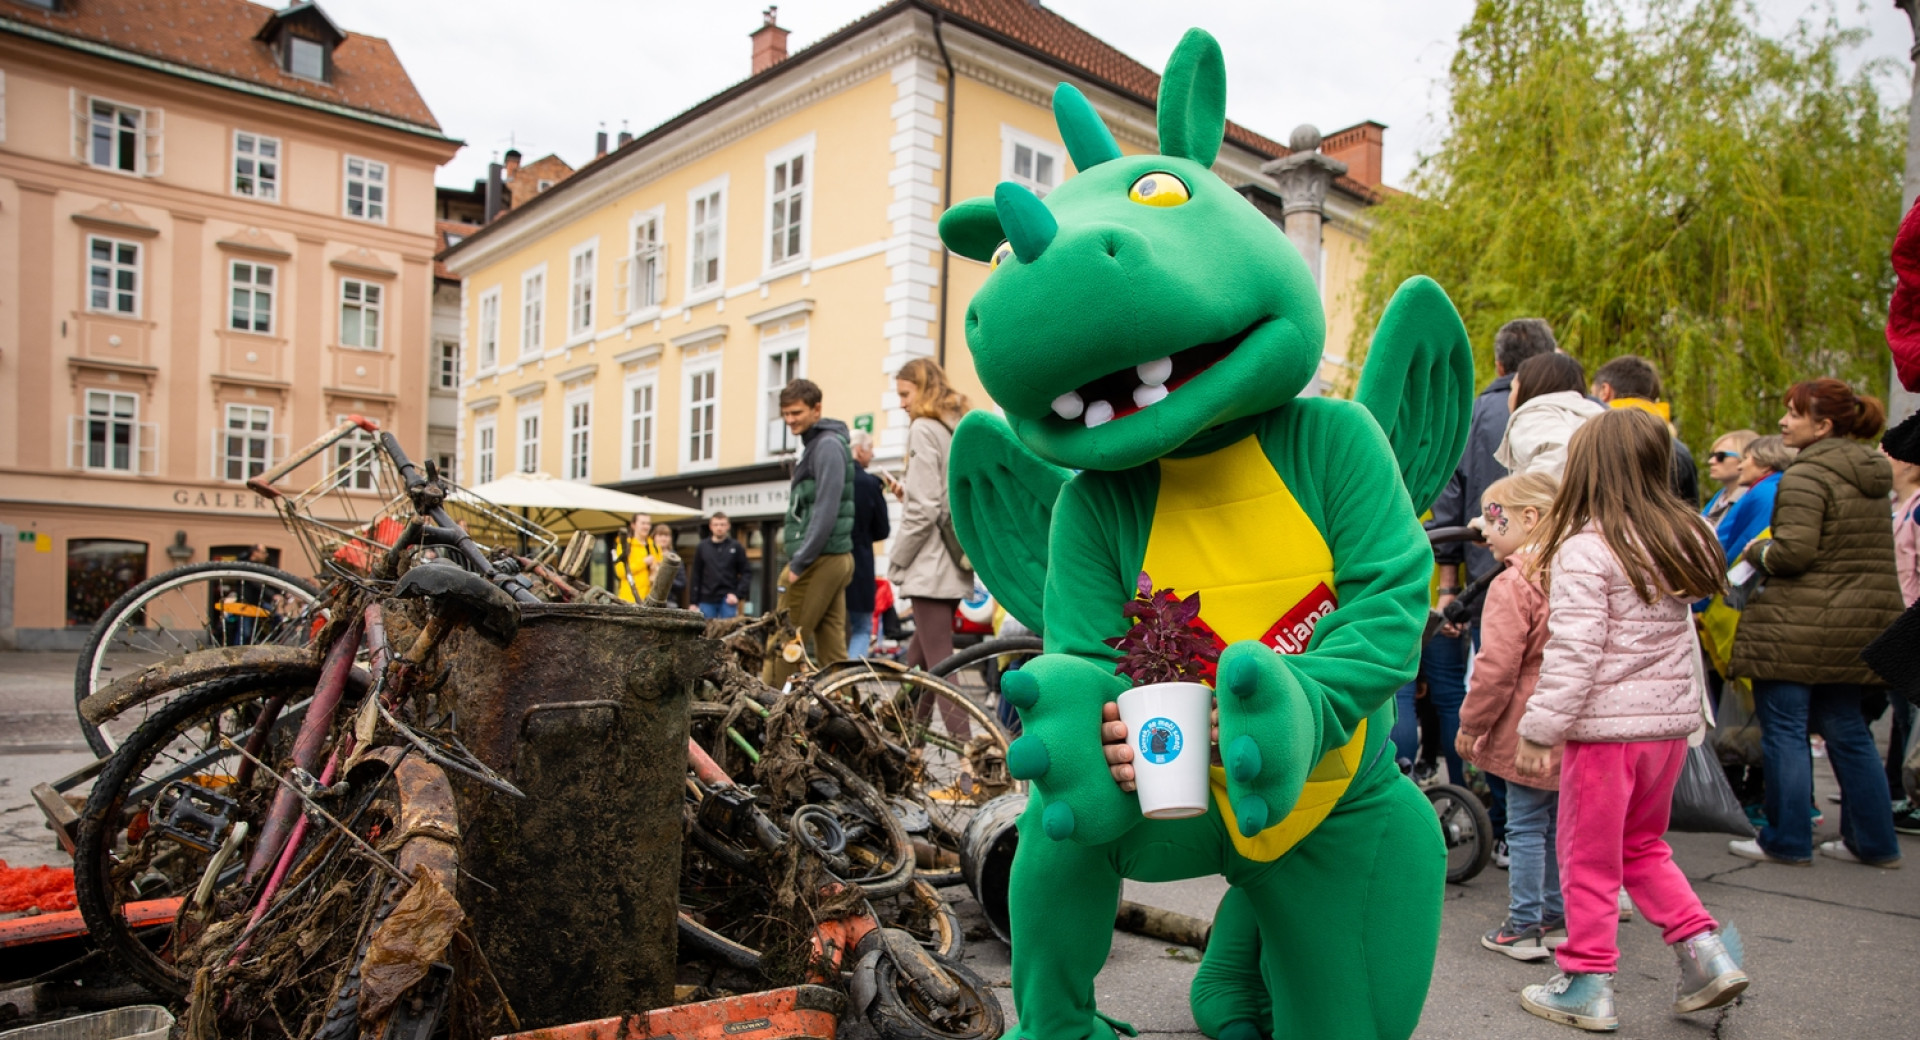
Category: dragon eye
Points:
column 1159, row 189
column 1000, row 252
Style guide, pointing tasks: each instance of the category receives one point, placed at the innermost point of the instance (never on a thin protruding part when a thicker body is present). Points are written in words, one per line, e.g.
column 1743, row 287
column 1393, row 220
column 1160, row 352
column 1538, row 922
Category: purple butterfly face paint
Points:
column 1496, row 515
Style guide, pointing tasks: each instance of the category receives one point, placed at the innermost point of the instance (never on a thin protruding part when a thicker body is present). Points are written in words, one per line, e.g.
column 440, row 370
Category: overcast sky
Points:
column 544, row 77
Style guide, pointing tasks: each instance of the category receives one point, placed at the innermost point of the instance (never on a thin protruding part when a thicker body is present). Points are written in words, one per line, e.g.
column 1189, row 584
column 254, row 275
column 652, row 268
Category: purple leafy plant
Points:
column 1168, row 642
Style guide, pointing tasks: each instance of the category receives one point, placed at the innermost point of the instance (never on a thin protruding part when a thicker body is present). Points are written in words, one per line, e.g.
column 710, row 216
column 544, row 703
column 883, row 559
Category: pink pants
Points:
column 1614, row 803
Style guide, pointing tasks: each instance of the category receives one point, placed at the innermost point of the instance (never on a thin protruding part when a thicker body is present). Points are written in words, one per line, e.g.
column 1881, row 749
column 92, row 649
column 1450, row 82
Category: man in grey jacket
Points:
column 818, row 534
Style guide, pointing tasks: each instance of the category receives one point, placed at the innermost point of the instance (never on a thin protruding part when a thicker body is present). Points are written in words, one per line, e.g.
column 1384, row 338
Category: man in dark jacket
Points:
column 818, row 534
column 1444, row 662
column 1629, row 381
column 870, row 524
column 721, row 575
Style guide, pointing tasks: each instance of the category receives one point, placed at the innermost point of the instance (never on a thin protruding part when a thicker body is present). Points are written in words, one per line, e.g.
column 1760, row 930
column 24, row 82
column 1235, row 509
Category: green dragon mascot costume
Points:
column 1148, row 328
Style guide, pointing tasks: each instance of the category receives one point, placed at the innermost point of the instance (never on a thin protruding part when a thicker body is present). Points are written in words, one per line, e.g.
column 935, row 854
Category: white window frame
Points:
column 266, row 186
column 577, row 410
column 711, row 428
column 526, row 450
column 533, row 313
column 486, row 443
column 643, row 277
column 376, row 191
column 712, row 234
column 1012, row 139
column 114, row 266
column 246, row 436
column 790, row 341
column 293, row 48
column 109, row 419
column 801, row 150
column 489, row 331
column 254, row 293
column 369, row 305
column 355, row 448
column 446, row 364
column 138, row 133
column 640, row 427
column 580, row 289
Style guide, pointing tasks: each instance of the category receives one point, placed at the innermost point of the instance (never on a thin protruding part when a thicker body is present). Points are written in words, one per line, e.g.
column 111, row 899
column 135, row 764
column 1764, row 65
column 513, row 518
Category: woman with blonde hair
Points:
column 923, row 563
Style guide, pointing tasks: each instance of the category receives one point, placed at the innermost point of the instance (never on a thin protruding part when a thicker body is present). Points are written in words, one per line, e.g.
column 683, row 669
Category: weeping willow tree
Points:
column 1661, row 178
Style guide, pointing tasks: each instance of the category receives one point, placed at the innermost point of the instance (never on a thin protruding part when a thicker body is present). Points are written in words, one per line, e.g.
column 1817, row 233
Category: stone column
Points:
column 1901, row 403
column 1303, row 178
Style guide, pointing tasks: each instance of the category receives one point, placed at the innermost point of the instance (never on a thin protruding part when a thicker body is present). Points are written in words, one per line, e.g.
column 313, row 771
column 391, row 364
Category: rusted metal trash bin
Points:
column 572, row 891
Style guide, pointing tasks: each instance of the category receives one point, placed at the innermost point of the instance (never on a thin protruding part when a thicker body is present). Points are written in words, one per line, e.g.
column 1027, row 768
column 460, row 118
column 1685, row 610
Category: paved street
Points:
column 1833, row 949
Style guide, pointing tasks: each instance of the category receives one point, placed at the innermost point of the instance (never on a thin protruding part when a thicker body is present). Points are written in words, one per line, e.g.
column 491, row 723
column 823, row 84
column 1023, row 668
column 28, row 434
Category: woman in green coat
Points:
column 1829, row 589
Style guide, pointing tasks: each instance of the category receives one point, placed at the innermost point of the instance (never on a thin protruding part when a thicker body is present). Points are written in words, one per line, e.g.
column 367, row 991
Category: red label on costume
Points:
column 1293, row 632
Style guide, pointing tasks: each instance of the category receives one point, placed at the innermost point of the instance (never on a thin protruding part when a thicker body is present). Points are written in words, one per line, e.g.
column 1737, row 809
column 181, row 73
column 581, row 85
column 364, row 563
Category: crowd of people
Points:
column 1616, row 615
column 837, row 511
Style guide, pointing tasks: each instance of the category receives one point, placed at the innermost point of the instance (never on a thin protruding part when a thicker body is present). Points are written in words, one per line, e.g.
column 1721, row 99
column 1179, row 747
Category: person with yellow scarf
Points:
column 1629, row 381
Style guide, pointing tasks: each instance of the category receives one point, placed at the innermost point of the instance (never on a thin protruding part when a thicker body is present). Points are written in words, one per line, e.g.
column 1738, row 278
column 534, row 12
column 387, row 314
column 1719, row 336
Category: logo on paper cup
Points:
column 1160, row 741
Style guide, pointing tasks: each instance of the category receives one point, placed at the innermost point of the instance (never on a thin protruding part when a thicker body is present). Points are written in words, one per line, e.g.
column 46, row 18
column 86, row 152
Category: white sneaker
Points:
column 1626, row 906
column 1838, row 850
column 1750, row 849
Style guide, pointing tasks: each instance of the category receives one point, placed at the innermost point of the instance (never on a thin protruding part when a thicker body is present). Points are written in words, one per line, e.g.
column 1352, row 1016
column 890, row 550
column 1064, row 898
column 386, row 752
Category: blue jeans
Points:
column 722, row 609
column 1445, row 663
column 859, row 634
column 1786, row 710
column 1497, row 809
column 1533, row 876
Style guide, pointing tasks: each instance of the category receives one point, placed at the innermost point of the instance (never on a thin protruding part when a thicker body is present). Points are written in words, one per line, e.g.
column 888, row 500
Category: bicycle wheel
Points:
column 956, row 754
column 182, row 610
column 168, row 805
column 976, row 672
column 1465, row 827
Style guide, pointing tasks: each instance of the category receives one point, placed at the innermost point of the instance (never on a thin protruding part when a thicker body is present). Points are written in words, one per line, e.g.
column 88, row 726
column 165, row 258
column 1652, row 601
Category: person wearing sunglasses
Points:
column 1723, row 466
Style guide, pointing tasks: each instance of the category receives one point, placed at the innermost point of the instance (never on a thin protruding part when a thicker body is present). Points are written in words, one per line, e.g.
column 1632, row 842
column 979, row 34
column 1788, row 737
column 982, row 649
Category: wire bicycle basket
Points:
column 348, row 518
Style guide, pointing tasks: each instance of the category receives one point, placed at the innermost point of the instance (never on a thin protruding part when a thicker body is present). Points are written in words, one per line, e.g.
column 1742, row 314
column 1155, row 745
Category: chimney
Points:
column 626, row 137
column 769, row 42
column 513, row 163
column 1359, row 146
column 495, row 189
column 600, row 142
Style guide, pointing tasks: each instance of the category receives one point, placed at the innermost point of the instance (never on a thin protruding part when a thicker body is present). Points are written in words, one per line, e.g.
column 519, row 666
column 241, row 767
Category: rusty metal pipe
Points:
column 306, row 746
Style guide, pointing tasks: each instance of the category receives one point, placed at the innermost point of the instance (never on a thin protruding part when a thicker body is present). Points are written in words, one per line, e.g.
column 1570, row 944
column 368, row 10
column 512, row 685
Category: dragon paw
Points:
column 1267, row 737
column 1059, row 751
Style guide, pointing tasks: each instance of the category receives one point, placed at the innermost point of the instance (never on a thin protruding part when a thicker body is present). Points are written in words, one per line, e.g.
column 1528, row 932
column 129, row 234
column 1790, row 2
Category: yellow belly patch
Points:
column 1226, row 526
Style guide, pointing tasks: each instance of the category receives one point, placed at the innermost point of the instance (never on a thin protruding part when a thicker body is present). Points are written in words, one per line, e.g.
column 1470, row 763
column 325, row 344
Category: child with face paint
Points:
column 1514, row 635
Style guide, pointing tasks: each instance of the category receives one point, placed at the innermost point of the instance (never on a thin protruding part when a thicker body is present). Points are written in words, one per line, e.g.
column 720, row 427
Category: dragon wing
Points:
column 1002, row 498
column 1418, row 383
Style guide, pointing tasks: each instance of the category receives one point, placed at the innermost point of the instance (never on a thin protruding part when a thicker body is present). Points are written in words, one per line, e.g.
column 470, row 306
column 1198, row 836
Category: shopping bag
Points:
column 1703, row 801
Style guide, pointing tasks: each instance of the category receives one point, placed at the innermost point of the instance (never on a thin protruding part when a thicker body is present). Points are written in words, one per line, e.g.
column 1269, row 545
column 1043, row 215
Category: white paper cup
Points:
column 1168, row 726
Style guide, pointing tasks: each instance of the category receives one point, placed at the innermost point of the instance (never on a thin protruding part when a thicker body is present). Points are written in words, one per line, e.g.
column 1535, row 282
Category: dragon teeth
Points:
column 1098, row 413
column 1148, row 395
column 1069, row 405
column 1154, row 373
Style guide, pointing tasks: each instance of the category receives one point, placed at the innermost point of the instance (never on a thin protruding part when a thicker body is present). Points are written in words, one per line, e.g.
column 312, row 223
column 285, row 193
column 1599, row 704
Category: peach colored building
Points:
column 216, row 238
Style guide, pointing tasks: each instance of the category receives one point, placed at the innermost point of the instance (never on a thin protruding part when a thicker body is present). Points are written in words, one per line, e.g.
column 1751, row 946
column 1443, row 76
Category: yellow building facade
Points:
column 633, row 326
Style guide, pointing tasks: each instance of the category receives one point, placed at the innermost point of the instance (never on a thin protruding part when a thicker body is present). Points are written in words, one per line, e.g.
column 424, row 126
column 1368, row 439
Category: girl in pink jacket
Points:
column 1619, row 691
column 1513, row 629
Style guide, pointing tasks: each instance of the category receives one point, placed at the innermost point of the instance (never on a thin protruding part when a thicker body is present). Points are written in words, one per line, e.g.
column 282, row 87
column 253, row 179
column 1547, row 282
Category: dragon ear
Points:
column 1086, row 135
column 1193, row 99
column 972, row 229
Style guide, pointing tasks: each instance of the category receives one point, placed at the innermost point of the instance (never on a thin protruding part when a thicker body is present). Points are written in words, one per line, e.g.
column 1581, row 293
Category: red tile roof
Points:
column 1053, row 37
column 217, row 36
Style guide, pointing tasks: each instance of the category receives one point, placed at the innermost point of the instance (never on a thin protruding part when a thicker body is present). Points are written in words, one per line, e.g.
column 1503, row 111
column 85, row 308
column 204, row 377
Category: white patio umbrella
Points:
column 564, row 506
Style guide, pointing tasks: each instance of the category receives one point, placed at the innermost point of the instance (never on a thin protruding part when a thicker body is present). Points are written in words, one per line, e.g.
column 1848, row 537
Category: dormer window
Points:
column 306, row 58
column 302, row 39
